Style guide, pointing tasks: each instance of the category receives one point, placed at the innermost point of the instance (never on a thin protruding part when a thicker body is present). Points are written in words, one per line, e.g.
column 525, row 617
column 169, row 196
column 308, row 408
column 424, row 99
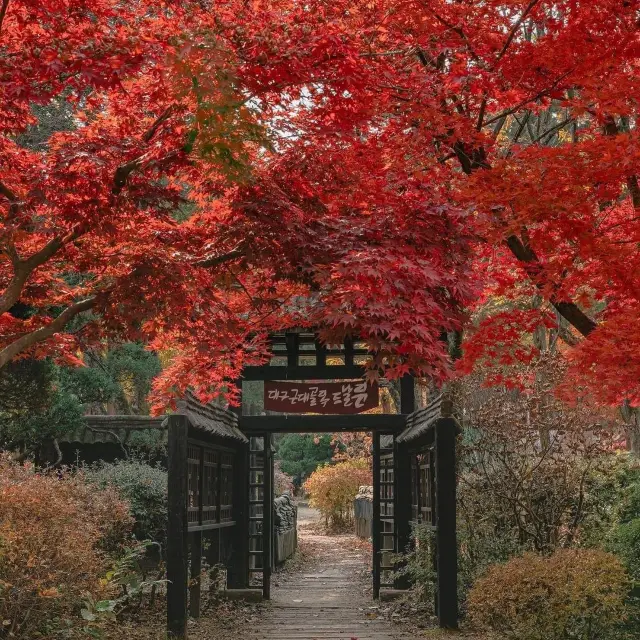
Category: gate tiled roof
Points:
column 419, row 422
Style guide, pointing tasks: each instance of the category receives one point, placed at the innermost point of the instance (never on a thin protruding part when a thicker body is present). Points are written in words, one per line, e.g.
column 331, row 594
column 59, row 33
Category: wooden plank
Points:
column 348, row 352
column 213, row 526
column 195, row 587
column 375, row 521
column 303, row 423
column 446, row 544
column 177, row 528
column 321, row 354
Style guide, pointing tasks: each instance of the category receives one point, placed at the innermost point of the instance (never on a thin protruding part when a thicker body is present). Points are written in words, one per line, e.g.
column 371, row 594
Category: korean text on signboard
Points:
column 321, row 397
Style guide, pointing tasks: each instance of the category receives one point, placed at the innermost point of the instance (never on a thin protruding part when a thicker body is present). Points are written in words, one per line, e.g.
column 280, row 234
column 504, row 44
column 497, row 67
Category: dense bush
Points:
column 332, row 489
column 574, row 593
column 56, row 533
column 145, row 489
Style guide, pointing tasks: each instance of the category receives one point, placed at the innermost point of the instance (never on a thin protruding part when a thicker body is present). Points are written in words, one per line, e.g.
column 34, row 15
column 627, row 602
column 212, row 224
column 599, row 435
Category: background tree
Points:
column 300, row 454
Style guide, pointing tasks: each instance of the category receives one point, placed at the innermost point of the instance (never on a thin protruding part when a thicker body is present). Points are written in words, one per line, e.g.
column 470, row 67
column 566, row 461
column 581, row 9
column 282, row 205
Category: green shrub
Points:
column 417, row 564
column 625, row 543
column 145, row 489
column 574, row 593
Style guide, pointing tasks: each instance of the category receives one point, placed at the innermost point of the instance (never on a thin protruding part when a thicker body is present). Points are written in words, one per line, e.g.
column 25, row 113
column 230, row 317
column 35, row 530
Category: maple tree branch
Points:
column 123, row 172
column 39, row 335
column 483, row 108
column 515, row 28
column 384, row 54
column 14, row 201
column 568, row 310
column 24, row 268
column 158, row 122
column 7, row 193
column 553, row 129
column 212, row 261
column 566, row 336
column 611, row 129
column 460, row 32
column 3, row 12
column 541, row 94
column 476, row 159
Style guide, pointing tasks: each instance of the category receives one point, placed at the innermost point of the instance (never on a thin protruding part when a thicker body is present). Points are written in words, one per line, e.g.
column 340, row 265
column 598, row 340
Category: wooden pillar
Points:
column 446, row 544
column 348, row 352
column 196, row 571
column 267, row 519
column 403, row 480
column 293, row 346
column 402, row 493
column 407, row 395
column 375, row 521
column 321, row 354
column 177, row 551
column 238, row 570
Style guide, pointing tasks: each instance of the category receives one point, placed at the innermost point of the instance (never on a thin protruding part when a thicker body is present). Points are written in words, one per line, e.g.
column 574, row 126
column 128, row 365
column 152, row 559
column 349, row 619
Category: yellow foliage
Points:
column 333, row 487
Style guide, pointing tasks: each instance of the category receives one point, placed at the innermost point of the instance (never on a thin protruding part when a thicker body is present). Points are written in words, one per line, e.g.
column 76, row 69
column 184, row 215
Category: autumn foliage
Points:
column 376, row 168
column 333, row 487
column 574, row 593
column 55, row 532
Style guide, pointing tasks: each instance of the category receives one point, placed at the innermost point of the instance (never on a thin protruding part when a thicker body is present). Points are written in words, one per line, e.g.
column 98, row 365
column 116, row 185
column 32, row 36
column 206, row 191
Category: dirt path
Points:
column 328, row 597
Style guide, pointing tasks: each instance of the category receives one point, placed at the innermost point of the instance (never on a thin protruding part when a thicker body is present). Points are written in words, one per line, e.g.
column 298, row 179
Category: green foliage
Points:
column 90, row 385
column 145, row 489
column 418, row 565
column 625, row 543
column 34, row 405
column 40, row 401
column 130, row 581
column 574, row 593
column 121, row 377
column 301, row 454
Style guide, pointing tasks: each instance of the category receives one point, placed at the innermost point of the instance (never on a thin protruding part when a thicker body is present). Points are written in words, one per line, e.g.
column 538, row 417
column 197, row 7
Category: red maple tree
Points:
column 370, row 167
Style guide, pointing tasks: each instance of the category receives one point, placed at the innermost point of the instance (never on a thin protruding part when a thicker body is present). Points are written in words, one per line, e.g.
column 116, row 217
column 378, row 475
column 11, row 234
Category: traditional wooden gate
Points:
column 413, row 470
column 311, row 404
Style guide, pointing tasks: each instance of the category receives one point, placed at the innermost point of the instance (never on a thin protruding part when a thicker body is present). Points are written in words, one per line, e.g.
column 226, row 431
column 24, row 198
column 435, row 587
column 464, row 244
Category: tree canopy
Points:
column 377, row 167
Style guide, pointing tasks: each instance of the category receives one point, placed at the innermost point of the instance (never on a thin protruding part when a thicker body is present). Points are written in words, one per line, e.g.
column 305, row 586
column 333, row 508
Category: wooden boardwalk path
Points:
column 328, row 599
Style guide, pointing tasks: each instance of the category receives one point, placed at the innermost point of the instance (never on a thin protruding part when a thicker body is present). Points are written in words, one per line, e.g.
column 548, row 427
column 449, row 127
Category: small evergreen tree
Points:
column 301, row 454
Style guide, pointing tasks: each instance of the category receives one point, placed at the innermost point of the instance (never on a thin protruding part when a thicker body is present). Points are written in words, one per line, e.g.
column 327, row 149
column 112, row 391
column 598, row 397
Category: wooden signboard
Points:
column 320, row 397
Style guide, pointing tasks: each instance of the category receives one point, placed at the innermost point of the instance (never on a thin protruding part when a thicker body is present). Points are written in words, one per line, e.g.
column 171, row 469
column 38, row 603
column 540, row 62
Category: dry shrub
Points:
column 574, row 593
column 55, row 537
column 332, row 489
